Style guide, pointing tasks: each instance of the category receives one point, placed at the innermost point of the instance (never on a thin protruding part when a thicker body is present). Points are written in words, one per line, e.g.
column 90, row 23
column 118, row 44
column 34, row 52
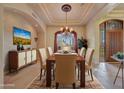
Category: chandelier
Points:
column 66, row 8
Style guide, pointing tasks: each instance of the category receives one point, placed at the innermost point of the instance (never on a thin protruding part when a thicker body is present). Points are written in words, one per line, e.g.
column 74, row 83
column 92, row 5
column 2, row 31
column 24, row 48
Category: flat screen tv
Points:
column 21, row 36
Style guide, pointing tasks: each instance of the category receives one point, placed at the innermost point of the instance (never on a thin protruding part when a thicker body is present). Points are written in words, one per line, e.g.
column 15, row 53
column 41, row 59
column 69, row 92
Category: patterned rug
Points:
column 41, row 84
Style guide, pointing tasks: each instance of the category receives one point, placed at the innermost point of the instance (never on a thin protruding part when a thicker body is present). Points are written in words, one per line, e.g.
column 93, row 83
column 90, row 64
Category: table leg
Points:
column 48, row 74
column 117, row 73
column 122, row 76
column 82, row 74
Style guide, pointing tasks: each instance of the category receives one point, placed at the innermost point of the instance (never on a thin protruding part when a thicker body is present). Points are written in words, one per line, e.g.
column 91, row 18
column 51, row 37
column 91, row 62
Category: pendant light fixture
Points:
column 66, row 8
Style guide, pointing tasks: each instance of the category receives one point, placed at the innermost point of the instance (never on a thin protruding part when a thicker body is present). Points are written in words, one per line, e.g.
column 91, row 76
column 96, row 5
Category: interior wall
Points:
column 93, row 34
column 41, row 39
column 23, row 7
column 103, row 19
column 51, row 30
column 13, row 19
column 93, row 38
column 1, row 46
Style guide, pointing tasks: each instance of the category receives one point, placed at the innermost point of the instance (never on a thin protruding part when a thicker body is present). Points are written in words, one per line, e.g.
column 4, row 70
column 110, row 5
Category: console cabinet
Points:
column 28, row 57
column 33, row 55
column 19, row 59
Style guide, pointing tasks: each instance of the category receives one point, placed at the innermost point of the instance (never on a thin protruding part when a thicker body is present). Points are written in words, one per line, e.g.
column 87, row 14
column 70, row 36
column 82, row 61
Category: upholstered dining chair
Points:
column 43, row 57
column 65, row 70
column 88, row 61
column 82, row 52
column 50, row 51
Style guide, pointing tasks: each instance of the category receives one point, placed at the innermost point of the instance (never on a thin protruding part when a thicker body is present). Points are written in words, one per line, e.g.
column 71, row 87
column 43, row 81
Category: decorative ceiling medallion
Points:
column 66, row 8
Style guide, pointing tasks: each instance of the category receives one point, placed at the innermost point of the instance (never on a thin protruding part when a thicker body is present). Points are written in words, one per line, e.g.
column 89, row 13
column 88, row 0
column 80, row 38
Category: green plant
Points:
column 82, row 43
column 120, row 55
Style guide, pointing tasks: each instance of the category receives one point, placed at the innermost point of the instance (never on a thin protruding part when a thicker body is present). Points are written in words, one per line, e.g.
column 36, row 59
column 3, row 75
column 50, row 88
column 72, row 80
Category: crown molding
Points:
column 87, row 11
column 79, row 21
column 90, row 10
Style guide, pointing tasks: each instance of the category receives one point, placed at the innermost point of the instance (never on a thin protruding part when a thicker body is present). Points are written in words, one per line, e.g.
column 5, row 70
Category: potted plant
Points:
column 82, row 43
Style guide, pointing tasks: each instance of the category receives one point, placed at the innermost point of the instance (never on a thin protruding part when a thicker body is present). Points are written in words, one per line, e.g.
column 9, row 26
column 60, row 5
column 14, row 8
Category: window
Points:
column 64, row 40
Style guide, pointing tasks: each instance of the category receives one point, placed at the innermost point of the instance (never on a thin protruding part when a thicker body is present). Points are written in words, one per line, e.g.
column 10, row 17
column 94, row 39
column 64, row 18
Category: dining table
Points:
column 51, row 60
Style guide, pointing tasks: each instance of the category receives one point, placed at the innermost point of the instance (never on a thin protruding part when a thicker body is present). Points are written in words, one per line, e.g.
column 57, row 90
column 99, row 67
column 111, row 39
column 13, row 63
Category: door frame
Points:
column 104, row 22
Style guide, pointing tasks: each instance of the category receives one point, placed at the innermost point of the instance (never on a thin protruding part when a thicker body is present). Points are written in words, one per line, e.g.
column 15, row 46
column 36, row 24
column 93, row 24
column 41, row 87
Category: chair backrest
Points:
column 50, row 51
column 43, row 55
column 89, row 55
column 65, row 69
column 82, row 52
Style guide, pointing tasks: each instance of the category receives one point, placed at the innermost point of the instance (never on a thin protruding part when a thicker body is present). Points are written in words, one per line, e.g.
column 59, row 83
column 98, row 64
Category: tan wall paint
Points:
column 93, row 39
column 41, row 39
column 13, row 19
column 1, row 46
column 103, row 19
column 52, row 29
column 23, row 7
column 92, row 29
column 93, row 34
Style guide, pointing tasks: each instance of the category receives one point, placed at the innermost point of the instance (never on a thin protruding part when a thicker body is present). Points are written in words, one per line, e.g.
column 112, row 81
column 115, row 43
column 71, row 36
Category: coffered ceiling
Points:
column 52, row 14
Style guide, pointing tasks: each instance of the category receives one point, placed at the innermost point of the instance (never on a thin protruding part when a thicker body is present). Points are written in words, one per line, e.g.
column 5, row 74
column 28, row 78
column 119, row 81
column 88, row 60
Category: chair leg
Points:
column 91, row 74
column 88, row 72
column 53, row 75
column 44, row 72
column 40, row 74
column 57, row 85
column 78, row 72
column 73, row 85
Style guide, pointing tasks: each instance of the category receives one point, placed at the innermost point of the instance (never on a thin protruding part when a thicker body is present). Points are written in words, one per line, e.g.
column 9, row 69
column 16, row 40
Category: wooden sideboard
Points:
column 19, row 59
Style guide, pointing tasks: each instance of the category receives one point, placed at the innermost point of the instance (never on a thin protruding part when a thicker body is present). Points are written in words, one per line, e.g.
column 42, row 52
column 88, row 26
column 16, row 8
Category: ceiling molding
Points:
column 52, row 15
column 89, row 9
column 54, row 21
column 45, row 11
column 78, row 21
column 117, row 12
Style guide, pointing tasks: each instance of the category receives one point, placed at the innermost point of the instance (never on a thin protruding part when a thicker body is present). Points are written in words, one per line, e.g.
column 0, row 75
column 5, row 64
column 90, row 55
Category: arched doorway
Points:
column 111, row 39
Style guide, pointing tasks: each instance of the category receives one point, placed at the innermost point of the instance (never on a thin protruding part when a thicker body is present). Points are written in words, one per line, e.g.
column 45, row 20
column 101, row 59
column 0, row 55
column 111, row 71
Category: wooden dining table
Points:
column 51, row 59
